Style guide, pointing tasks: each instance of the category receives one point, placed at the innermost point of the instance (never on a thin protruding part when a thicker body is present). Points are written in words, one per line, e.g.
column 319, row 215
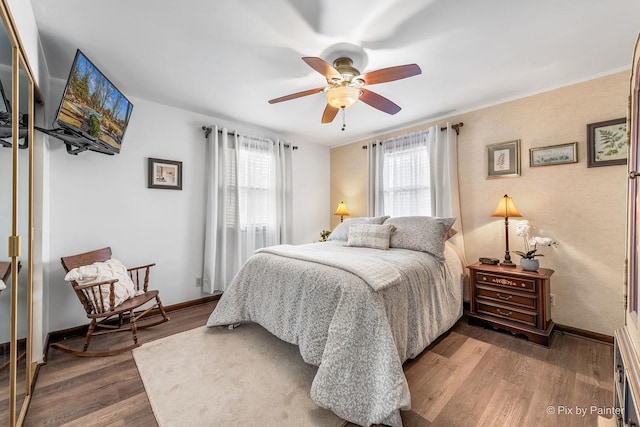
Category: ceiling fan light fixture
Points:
column 343, row 96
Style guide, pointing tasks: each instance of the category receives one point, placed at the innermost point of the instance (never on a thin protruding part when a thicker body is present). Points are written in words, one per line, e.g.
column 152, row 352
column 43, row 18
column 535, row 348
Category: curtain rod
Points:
column 208, row 129
column 457, row 127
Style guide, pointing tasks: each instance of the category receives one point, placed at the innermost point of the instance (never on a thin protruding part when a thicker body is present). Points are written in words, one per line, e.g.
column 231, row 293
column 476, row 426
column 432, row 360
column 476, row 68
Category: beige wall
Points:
column 349, row 181
column 582, row 208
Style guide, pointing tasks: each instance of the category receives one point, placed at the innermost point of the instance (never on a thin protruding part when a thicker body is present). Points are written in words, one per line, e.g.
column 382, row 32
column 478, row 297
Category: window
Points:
column 406, row 176
column 254, row 187
column 252, row 169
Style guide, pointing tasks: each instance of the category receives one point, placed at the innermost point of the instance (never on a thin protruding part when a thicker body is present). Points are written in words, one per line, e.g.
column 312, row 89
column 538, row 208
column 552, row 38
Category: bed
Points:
column 356, row 310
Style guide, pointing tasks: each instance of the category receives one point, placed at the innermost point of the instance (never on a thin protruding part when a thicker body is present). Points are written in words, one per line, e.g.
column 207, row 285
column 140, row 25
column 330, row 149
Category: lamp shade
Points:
column 343, row 96
column 342, row 209
column 506, row 208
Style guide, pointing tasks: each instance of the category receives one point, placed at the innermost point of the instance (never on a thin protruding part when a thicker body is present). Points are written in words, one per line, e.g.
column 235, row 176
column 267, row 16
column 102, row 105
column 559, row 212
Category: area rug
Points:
column 220, row 377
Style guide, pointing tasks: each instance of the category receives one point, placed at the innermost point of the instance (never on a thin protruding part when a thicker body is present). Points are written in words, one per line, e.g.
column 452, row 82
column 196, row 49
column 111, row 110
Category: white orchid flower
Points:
column 522, row 228
column 541, row 241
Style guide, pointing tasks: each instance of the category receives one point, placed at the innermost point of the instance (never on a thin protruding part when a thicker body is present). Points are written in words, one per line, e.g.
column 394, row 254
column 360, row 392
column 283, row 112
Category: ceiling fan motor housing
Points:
column 348, row 73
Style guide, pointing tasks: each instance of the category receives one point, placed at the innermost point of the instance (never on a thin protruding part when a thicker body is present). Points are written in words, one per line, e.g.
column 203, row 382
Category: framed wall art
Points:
column 607, row 143
column 165, row 174
column 503, row 159
column 553, row 155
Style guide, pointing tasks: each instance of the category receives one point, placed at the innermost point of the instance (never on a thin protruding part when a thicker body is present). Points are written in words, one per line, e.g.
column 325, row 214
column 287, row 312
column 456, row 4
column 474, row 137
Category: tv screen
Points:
column 92, row 106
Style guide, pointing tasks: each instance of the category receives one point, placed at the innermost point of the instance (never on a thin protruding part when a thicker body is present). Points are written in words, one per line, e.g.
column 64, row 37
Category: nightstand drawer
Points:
column 511, row 282
column 506, row 297
column 511, row 298
column 508, row 313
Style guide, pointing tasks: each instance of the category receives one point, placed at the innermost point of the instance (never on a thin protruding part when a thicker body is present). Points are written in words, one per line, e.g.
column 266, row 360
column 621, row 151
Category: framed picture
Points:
column 165, row 174
column 553, row 155
column 607, row 143
column 503, row 159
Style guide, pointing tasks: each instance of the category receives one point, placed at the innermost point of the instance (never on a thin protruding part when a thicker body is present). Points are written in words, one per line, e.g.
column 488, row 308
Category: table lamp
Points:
column 342, row 211
column 506, row 209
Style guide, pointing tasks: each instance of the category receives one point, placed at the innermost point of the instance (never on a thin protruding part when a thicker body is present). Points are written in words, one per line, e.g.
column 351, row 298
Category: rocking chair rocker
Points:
column 101, row 312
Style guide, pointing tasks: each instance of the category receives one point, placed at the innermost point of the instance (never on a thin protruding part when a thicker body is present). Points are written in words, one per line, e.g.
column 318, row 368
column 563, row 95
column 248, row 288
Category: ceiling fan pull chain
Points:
column 344, row 124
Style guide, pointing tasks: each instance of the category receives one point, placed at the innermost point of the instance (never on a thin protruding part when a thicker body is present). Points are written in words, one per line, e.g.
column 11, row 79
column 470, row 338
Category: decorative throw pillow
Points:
column 100, row 271
column 342, row 231
column 420, row 233
column 370, row 235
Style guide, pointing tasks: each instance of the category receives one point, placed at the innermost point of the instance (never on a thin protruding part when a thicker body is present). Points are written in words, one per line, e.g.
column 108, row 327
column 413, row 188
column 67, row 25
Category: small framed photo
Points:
column 503, row 159
column 553, row 155
column 165, row 174
column 607, row 143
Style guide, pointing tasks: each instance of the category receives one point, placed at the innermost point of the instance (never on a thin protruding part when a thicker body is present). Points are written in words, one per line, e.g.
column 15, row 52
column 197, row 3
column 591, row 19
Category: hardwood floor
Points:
column 102, row 391
column 471, row 377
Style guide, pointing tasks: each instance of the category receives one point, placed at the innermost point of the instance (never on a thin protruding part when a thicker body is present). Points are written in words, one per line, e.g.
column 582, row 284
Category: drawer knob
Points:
column 504, row 297
column 505, row 313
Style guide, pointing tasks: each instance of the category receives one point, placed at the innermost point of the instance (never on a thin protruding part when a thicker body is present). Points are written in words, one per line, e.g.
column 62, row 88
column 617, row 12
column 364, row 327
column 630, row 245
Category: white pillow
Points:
column 342, row 231
column 2, row 285
column 420, row 233
column 99, row 271
column 374, row 236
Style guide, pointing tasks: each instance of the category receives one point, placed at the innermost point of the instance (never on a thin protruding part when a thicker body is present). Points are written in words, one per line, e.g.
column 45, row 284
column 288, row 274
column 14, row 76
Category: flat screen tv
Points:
column 93, row 107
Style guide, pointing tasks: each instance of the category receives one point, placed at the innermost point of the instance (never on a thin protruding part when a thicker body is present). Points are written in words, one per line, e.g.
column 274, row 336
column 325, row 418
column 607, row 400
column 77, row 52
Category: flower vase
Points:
column 529, row 264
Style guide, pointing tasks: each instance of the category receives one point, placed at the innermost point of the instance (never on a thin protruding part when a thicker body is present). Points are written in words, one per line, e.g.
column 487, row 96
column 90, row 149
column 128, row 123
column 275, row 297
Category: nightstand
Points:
column 512, row 299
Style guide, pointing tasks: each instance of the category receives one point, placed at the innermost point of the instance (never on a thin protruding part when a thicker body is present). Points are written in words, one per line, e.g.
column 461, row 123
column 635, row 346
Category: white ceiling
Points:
column 226, row 59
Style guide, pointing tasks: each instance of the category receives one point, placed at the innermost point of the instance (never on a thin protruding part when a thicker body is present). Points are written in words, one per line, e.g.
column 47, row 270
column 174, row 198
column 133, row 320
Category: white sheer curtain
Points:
column 417, row 174
column 445, row 194
column 399, row 176
column 248, row 202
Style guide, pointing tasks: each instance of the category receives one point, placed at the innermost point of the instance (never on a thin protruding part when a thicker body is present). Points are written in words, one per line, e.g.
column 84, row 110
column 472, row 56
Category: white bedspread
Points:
column 357, row 336
column 378, row 275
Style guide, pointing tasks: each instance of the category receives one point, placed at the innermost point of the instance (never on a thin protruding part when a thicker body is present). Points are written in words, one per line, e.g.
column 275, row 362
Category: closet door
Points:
column 16, row 223
column 633, row 204
column 23, row 175
column 627, row 339
column 5, row 231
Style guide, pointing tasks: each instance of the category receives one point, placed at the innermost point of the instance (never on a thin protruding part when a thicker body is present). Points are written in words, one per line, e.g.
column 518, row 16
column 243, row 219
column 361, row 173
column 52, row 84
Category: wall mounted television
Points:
column 93, row 114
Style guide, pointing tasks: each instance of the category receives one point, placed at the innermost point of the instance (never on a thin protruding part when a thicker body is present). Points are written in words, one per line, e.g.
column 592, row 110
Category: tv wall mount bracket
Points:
column 77, row 142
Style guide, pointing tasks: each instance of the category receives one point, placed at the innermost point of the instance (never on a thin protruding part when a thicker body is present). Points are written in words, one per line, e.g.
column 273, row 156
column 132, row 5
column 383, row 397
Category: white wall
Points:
column 99, row 200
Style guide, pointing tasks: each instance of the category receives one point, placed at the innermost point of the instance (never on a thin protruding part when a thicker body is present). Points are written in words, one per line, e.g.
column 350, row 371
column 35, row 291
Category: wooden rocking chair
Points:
column 5, row 270
column 100, row 313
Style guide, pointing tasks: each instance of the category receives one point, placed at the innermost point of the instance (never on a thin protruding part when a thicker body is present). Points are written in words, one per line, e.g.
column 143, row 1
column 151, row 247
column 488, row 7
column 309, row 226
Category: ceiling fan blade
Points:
column 329, row 114
column 296, row 95
column 390, row 74
column 378, row 101
column 323, row 67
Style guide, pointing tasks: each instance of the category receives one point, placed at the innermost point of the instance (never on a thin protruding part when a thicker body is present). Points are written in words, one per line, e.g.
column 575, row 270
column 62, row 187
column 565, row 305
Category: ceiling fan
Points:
column 345, row 85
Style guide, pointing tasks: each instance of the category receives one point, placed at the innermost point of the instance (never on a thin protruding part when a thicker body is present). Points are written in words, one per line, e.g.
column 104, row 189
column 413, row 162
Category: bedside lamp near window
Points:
column 506, row 209
column 342, row 211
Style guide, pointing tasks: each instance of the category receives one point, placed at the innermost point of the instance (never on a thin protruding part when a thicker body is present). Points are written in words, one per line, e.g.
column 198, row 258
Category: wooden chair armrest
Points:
column 93, row 294
column 90, row 285
column 134, row 273
column 141, row 267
